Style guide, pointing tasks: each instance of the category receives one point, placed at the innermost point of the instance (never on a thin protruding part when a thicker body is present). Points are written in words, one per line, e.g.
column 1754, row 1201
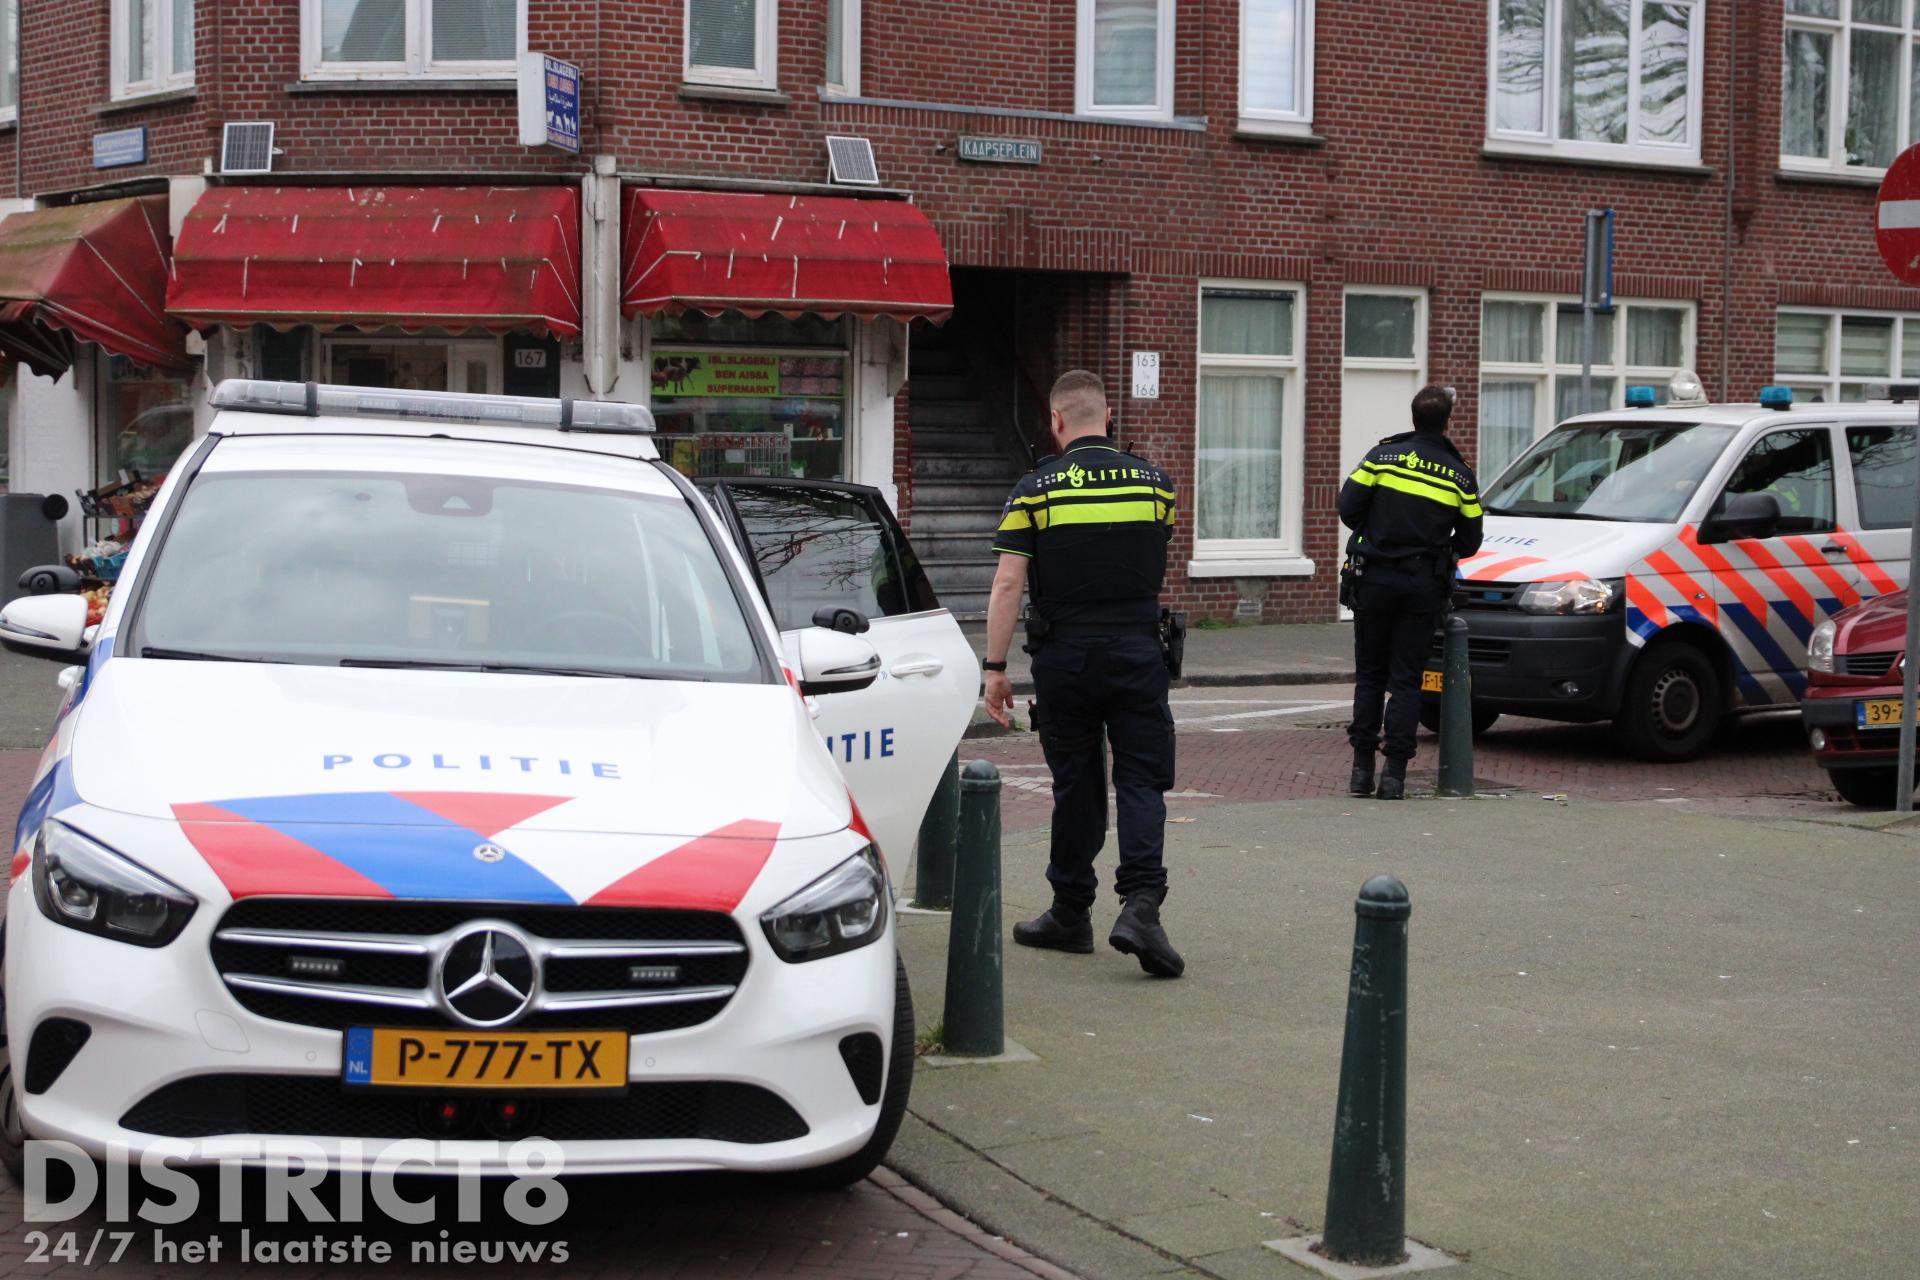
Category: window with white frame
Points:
column 1846, row 82
column 1124, row 64
column 1531, row 351
column 1598, row 79
column 843, row 46
column 371, row 39
column 9, row 61
column 152, row 46
column 731, row 43
column 1248, row 440
column 1837, row 356
column 1276, row 64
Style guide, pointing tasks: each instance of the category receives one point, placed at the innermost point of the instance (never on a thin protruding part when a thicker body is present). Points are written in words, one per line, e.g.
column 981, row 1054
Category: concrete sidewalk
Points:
column 1643, row 1043
column 1295, row 653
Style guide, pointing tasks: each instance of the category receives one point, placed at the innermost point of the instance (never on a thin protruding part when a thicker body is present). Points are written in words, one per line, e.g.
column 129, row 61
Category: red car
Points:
column 1852, row 706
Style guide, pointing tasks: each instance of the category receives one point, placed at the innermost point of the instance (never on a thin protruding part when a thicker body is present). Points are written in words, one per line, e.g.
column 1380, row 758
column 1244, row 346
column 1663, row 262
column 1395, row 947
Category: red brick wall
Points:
column 1400, row 192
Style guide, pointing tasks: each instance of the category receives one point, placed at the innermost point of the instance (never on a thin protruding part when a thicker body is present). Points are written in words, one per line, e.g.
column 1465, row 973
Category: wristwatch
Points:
column 993, row 666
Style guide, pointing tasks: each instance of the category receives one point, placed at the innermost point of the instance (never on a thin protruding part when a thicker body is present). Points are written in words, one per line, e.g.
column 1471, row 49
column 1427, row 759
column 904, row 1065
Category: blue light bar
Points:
column 1776, row 397
column 1642, row 397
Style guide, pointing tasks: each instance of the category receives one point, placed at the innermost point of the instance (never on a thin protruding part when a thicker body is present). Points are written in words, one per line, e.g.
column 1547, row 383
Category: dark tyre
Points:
column 13, row 1135
column 1868, row 788
column 1430, row 717
column 1673, row 704
column 893, row 1102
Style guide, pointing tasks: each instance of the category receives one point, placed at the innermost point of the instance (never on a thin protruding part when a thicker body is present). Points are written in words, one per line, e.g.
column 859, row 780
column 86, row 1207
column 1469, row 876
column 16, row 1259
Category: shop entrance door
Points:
column 1384, row 361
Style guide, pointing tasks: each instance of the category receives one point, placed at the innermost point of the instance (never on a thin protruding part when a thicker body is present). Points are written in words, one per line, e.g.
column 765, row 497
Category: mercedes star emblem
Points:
column 487, row 976
column 489, row 852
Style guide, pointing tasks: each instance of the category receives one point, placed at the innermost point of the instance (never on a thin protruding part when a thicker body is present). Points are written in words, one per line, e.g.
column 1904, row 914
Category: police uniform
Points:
column 1414, row 506
column 1095, row 522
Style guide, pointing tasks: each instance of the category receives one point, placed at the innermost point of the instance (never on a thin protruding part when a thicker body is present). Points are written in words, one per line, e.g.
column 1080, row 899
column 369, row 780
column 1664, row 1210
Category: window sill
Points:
column 1502, row 151
column 1265, row 567
column 137, row 102
column 733, row 93
column 407, row 84
column 1276, row 131
column 1817, row 178
column 9, row 124
column 1182, row 124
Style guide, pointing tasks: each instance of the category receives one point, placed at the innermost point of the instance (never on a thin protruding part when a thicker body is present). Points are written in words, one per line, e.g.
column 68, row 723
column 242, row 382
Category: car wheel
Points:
column 13, row 1134
column 1868, row 788
column 1430, row 717
column 1672, row 706
column 893, row 1102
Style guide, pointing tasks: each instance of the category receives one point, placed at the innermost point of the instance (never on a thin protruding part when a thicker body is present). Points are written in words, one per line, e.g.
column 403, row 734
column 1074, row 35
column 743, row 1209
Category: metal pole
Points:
column 933, row 852
column 1586, row 357
column 1367, row 1186
column 1456, row 712
column 974, row 1021
column 1909, row 674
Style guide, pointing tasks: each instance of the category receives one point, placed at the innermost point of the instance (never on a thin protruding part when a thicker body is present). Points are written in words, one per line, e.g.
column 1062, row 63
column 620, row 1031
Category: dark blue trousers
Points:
column 1116, row 686
column 1393, row 621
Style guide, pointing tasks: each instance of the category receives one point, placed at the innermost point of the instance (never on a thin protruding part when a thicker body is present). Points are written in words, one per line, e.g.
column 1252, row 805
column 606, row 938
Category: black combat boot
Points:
column 1393, row 783
column 1058, row 928
column 1138, row 933
column 1361, row 783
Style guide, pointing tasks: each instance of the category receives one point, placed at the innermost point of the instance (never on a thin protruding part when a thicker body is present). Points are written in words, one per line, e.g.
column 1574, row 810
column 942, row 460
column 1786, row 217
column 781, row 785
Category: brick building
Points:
column 1304, row 210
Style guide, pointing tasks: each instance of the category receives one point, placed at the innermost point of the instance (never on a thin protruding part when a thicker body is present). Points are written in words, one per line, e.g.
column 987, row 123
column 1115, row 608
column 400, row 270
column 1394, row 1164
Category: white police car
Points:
column 438, row 771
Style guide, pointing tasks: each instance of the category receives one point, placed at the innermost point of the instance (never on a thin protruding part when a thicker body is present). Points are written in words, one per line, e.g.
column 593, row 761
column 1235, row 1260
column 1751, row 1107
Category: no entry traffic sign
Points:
column 1897, row 218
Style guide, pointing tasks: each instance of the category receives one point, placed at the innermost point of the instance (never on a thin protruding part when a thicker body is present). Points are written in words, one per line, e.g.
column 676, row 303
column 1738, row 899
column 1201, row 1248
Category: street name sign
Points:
column 985, row 150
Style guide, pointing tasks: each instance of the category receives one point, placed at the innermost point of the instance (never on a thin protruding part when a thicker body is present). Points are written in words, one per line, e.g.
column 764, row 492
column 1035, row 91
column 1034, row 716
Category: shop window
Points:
column 1606, row 79
column 740, row 397
column 1276, row 65
column 152, row 46
column 9, row 60
column 1846, row 83
column 1124, row 65
column 144, row 417
column 359, row 39
column 1247, row 490
column 843, row 46
column 731, row 42
column 1530, row 365
column 1844, row 356
column 408, row 364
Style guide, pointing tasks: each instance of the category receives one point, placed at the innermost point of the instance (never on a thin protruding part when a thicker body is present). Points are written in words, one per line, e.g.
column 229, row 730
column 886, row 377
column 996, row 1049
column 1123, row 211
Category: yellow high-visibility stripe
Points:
column 1429, row 477
column 1472, row 510
column 1362, row 476
column 1445, row 497
column 1104, row 513
column 1016, row 520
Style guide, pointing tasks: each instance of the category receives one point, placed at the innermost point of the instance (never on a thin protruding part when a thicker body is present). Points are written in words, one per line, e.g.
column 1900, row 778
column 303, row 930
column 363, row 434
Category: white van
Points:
column 1663, row 565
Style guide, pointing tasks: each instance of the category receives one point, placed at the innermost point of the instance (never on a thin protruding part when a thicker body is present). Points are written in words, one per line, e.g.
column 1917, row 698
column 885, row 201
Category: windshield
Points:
column 443, row 571
column 1609, row 471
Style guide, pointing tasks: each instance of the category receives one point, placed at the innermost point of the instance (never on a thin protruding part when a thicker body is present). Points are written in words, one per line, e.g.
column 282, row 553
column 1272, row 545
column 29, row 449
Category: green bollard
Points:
column 933, row 853
column 975, row 1015
column 1367, row 1188
column 1456, row 713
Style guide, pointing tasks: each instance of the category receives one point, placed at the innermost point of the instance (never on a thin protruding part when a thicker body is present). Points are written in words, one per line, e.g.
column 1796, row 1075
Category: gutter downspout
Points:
column 1726, row 230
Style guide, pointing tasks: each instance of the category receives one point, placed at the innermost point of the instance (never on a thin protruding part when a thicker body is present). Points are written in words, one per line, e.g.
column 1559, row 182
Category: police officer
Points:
column 1088, row 530
column 1414, row 508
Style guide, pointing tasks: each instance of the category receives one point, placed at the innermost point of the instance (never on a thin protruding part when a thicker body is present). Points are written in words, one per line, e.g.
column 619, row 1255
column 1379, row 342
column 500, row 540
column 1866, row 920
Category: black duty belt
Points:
column 1098, row 630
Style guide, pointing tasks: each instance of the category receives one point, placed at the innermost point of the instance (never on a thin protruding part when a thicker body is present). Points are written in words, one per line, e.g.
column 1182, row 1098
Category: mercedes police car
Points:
column 1666, row 564
column 450, row 767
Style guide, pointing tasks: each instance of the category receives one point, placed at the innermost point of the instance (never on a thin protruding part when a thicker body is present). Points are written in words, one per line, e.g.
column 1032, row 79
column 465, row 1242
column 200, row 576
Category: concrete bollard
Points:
column 975, row 1014
column 933, row 852
column 1456, row 713
column 1367, row 1186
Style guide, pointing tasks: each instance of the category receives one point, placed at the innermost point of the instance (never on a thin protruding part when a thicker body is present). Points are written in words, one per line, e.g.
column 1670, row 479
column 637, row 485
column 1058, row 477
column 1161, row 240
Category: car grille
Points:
column 337, row 963
column 1865, row 664
column 1503, row 596
column 320, row 1107
column 1481, row 652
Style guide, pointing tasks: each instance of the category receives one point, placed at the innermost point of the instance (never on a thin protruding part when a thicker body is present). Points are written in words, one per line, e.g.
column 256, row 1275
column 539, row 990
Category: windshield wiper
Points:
column 509, row 668
column 193, row 655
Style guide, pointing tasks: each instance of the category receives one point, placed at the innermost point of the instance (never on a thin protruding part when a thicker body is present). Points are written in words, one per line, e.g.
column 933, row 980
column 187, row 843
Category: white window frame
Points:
column 1831, row 382
column 159, row 37
column 765, row 72
column 458, row 349
column 1299, row 121
column 1547, row 141
column 1284, row 556
column 418, row 64
column 1839, row 74
column 10, row 51
column 1550, row 369
column 1417, row 363
column 1162, row 106
column 848, row 85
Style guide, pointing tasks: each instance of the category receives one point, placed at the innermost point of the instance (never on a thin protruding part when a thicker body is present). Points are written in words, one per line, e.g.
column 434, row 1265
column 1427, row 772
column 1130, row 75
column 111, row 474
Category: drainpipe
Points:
column 1726, row 230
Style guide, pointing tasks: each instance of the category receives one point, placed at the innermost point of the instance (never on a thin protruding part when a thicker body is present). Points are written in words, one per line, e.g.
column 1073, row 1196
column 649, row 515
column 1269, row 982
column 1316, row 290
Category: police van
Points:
column 1664, row 566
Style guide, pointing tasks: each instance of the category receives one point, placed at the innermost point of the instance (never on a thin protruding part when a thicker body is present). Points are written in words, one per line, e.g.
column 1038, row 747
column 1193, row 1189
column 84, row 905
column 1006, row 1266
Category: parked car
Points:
column 1855, row 669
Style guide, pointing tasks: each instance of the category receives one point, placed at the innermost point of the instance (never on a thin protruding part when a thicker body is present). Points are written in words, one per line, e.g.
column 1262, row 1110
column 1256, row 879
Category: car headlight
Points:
column 844, row 909
column 85, row 885
column 1579, row 595
column 1820, row 647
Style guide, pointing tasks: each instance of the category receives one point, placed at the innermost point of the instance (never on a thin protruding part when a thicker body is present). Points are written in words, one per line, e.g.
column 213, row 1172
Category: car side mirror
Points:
column 46, row 579
column 850, row 622
column 835, row 662
column 1742, row 515
column 46, row 627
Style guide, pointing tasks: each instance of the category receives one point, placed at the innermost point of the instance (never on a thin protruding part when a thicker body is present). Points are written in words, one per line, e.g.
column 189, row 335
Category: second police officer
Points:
column 1088, row 530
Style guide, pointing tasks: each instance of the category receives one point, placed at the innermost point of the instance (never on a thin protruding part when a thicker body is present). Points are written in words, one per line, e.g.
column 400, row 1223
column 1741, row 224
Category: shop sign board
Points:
column 119, row 147
column 986, row 150
column 1146, row 375
column 549, row 103
column 746, row 373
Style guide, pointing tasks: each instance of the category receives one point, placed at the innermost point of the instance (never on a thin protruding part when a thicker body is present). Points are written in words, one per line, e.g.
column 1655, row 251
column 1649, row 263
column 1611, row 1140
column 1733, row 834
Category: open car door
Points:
column 818, row 545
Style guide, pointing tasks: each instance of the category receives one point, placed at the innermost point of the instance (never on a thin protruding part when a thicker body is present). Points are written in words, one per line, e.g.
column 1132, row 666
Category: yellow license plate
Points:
column 407, row 1057
column 1871, row 713
column 1429, row 682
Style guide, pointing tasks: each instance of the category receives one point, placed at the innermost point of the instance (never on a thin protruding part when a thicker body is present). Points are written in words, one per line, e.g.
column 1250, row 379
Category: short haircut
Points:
column 1432, row 406
column 1079, row 398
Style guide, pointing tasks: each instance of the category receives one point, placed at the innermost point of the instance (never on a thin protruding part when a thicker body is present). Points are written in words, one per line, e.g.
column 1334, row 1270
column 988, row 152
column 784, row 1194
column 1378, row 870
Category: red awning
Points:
column 716, row 251
column 87, row 273
column 495, row 258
